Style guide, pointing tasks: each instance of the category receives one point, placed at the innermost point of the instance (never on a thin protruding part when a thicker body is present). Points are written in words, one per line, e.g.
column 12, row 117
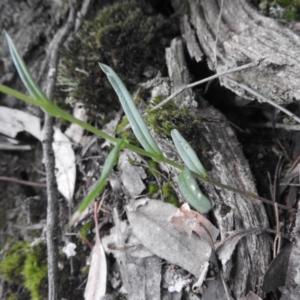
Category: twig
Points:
column 258, row 95
column 277, row 125
column 24, row 182
column 247, row 66
column 52, row 195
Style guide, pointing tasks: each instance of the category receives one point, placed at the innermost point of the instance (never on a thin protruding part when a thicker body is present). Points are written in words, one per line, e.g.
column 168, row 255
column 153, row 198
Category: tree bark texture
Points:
column 231, row 211
column 244, row 35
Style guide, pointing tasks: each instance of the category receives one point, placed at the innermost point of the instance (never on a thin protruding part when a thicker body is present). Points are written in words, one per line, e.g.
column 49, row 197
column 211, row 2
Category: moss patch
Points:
column 280, row 9
column 169, row 194
column 169, row 117
column 118, row 38
column 26, row 265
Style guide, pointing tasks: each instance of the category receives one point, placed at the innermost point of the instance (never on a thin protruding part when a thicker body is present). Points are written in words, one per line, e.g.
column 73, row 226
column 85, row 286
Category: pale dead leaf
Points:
column 96, row 283
column 192, row 221
column 150, row 223
column 226, row 247
column 75, row 131
column 65, row 169
column 13, row 121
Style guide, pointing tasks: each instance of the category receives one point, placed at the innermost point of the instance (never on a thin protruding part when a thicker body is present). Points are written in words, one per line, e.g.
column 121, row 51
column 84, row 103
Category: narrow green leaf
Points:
column 14, row 93
column 187, row 153
column 191, row 192
column 137, row 123
column 100, row 183
column 25, row 75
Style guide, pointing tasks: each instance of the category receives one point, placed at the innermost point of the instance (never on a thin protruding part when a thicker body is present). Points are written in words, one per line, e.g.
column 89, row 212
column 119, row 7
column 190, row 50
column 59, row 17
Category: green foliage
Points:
column 26, row 265
column 124, row 122
column 86, row 229
column 170, row 117
column 35, row 271
column 281, row 9
column 138, row 126
column 11, row 266
column 153, row 168
column 169, row 194
column 12, row 297
column 152, row 189
column 118, row 38
column 136, row 121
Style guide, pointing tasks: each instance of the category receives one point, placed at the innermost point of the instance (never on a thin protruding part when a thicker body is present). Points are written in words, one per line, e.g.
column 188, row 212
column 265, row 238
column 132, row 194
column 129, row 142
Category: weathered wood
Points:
column 229, row 166
column 244, row 35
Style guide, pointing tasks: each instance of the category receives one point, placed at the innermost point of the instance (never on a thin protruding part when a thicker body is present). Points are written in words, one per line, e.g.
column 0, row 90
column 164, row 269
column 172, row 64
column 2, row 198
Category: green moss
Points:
column 152, row 189
column 12, row 297
column 169, row 117
column 118, row 38
column 124, row 122
column 280, row 9
column 153, row 168
column 86, row 229
column 35, row 271
column 169, row 194
column 11, row 266
column 26, row 265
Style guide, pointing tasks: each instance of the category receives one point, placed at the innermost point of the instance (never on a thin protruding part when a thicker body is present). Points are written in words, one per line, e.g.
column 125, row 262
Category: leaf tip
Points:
column 105, row 68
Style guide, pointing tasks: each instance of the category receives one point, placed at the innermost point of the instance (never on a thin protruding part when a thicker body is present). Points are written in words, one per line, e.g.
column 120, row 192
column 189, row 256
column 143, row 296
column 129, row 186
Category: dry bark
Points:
column 229, row 166
column 242, row 36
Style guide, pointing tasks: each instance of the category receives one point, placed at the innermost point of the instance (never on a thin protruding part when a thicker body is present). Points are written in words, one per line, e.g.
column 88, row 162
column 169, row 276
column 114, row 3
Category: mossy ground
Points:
column 118, row 38
column 280, row 9
column 25, row 266
column 169, row 117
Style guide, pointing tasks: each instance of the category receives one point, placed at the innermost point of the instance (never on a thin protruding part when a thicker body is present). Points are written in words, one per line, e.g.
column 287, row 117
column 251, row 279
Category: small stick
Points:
column 24, row 182
column 240, row 68
column 258, row 95
column 276, row 125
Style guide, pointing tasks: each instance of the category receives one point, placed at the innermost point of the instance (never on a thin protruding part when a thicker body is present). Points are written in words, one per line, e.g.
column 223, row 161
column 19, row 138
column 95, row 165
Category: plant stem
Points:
column 64, row 115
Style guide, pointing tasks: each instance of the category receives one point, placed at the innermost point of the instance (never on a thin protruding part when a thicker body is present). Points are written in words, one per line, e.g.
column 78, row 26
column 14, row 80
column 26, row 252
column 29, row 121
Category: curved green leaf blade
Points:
column 187, row 153
column 191, row 192
column 100, row 183
column 14, row 93
column 137, row 123
column 25, row 75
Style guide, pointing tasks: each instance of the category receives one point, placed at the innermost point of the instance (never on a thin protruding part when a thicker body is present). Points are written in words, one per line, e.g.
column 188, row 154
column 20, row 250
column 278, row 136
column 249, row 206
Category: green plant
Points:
column 27, row 265
column 192, row 168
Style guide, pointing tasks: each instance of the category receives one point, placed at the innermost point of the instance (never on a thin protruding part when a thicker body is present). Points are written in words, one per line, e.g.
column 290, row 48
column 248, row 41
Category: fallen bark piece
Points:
column 150, row 223
column 131, row 175
column 228, row 165
column 244, row 35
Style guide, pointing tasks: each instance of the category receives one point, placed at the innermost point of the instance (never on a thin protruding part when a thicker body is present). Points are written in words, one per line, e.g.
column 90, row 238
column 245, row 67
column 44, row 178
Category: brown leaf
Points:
column 192, row 221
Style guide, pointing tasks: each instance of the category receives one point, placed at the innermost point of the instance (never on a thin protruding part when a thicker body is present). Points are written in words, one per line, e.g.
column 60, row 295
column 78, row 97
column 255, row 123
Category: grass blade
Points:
column 187, row 153
column 26, row 77
column 137, row 123
column 14, row 93
column 100, row 183
column 191, row 192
